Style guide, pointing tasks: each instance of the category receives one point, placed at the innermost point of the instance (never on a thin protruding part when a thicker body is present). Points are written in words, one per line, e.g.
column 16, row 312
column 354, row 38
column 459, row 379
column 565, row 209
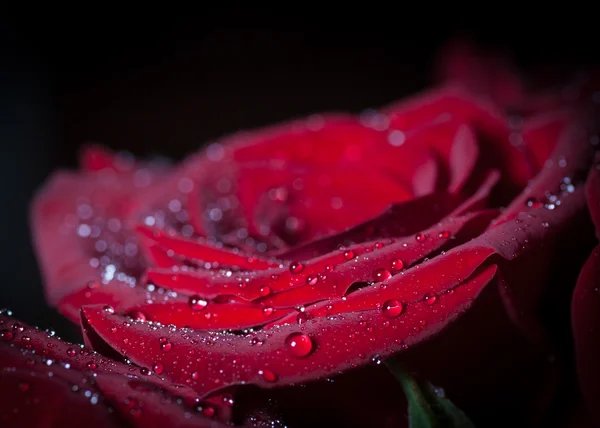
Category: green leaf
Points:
column 427, row 405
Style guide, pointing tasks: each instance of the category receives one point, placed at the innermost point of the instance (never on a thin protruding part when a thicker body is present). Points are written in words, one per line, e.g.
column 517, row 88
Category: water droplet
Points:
column 265, row 291
column 197, row 303
column 430, row 298
column 207, row 411
column 296, row 267
column 299, row 344
column 268, row 375
column 91, row 365
column 228, row 400
column 348, row 255
column 303, row 317
column 381, row 275
column 71, row 352
column 392, row 308
column 444, row 234
column 267, row 311
column 23, row 386
column 420, row 237
column 397, row 265
column 532, row 202
column 378, row 245
column 6, row 335
column 195, row 375
column 144, row 371
column 166, row 346
column 137, row 316
column 158, row 368
column 108, row 309
column 312, row 280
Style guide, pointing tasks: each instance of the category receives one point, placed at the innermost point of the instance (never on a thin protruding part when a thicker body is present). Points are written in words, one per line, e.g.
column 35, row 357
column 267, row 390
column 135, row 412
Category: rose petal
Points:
column 585, row 309
column 144, row 405
column 40, row 400
column 263, row 365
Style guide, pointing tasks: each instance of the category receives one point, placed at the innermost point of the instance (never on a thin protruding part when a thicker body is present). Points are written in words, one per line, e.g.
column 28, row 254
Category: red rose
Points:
column 446, row 231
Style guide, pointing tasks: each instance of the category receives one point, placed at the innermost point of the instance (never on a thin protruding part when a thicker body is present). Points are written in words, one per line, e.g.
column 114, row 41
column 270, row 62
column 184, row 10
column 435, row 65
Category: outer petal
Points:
column 585, row 309
column 264, row 364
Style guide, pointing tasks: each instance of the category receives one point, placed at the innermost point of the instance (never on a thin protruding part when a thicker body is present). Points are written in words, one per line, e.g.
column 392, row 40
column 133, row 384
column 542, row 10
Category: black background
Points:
column 168, row 84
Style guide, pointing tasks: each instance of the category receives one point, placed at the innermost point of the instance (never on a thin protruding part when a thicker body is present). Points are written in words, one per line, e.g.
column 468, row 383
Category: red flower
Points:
column 432, row 229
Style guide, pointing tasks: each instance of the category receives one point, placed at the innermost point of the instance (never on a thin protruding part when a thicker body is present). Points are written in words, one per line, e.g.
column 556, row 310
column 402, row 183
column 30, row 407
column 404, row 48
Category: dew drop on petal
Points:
column 303, row 317
column 532, row 203
column 166, row 346
column 137, row 316
column 430, row 298
column 296, row 267
column 71, row 352
column 91, row 365
column 268, row 375
column 392, row 308
column 397, row 265
column 267, row 311
column 265, row 291
column 108, row 309
column 312, row 280
column 158, row 368
column 299, row 344
column 348, row 255
column 197, row 303
column 195, row 375
column 444, row 234
column 228, row 400
column 420, row 237
column 381, row 275
column 207, row 411
column 6, row 335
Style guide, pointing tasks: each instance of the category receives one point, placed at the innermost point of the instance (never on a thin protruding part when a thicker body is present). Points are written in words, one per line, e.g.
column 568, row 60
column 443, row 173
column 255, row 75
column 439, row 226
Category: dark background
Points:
column 167, row 85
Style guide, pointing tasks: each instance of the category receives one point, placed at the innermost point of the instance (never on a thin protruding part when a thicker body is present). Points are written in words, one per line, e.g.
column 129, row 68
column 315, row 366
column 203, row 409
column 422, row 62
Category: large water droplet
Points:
column 303, row 317
column 312, row 280
column 392, row 308
column 6, row 335
column 348, row 255
column 137, row 315
column 296, row 267
column 381, row 275
column 195, row 375
column 299, row 344
column 420, row 237
column 268, row 375
column 91, row 365
column 206, row 410
column 166, row 346
column 197, row 303
column 108, row 309
column 430, row 298
column 265, row 291
column 158, row 368
column 397, row 264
